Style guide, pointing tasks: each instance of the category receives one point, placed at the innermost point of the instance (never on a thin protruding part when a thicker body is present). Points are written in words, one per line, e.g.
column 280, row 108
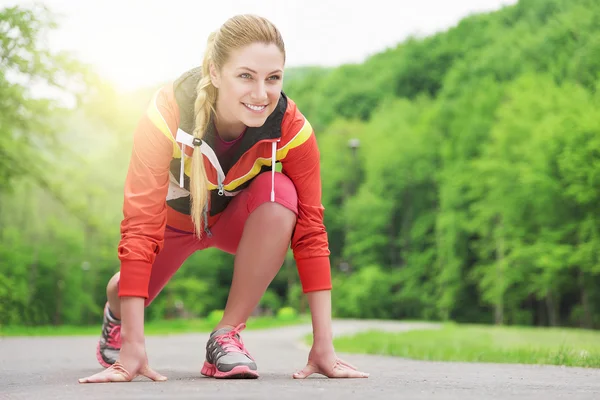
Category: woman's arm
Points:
column 311, row 247
column 132, row 320
column 322, row 358
column 142, row 234
column 320, row 309
column 301, row 164
column 145, row 192
column 132, row 356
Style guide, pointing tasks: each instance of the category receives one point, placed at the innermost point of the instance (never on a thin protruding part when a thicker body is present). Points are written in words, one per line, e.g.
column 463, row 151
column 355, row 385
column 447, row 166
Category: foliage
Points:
column 473, row 193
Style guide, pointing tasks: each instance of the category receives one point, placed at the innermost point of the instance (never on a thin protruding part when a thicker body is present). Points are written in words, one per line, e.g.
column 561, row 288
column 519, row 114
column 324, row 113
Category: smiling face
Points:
column 249, row 86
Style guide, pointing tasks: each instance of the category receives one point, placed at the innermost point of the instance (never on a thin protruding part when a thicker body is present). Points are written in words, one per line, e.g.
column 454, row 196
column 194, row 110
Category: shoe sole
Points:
column 239, row 372
column 99, row 357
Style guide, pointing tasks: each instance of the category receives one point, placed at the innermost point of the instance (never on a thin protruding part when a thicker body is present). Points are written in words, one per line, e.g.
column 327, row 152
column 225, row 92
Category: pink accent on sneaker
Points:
column 241, row 371
column 231, row 341
column 99, row 357
column 114, row 337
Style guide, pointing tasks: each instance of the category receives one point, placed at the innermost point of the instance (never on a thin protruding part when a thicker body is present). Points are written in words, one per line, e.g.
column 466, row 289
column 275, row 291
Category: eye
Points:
column 245, row 75
column 274, row 77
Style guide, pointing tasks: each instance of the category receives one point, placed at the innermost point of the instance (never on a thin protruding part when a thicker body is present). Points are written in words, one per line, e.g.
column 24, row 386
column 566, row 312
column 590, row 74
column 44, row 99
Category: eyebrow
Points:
column 254, row 72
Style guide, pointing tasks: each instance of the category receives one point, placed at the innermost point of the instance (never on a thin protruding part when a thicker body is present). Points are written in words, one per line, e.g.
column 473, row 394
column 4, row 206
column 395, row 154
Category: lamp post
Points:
column 85, row 267
column 353, row 144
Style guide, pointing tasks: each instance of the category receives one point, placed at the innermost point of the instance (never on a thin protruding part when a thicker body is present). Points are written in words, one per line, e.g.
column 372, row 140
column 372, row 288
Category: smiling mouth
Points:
column 255, row 108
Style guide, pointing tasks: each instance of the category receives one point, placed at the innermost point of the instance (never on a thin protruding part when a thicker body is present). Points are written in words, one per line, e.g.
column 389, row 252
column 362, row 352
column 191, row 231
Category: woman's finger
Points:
column 152, row 374
column 342, row 371
column 306, row 371
column 347, row 364
column 115, row 373
column 351, row 373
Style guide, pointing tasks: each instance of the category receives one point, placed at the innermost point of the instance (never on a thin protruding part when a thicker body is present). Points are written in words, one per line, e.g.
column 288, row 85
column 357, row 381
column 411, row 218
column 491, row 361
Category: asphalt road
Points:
column 48, row 368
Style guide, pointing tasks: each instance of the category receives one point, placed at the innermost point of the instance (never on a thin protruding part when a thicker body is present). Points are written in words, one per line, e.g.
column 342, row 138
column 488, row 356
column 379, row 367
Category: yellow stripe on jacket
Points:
column 300, row 138
column 157, row 119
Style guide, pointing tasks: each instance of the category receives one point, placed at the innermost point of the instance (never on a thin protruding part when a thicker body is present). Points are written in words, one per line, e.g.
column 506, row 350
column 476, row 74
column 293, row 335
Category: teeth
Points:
column 255, row 108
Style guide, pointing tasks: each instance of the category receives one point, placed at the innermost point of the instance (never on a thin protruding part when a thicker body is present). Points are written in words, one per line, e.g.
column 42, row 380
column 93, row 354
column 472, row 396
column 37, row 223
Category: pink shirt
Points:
column 225, row 149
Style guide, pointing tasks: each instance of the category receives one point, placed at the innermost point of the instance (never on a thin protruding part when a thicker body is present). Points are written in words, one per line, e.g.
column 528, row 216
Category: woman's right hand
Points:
column 132, row 362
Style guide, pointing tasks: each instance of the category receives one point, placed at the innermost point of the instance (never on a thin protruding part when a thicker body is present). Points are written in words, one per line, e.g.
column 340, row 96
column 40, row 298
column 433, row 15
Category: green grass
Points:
column 476, row 343
column 163, row 327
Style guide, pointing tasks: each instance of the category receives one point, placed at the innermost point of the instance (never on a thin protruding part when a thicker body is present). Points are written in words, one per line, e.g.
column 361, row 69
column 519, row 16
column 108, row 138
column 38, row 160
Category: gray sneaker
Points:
column 226, row 356
column 109, row 345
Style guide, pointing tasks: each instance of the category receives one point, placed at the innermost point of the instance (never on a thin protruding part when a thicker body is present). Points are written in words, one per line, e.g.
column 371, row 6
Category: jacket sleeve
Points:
column 146, row 186
column 309, row 240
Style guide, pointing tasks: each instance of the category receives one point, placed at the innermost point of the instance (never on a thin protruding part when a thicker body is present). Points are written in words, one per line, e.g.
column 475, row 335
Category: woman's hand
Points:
column 132, row 362
column 323, row 360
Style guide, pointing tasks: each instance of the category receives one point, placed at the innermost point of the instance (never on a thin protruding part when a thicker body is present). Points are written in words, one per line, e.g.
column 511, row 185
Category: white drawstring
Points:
column 273, row 161
column 182, row 165
column 187, row 139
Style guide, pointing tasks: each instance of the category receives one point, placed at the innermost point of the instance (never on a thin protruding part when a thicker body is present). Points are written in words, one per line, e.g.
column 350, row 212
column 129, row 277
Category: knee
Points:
column 277, row 216
column 113, row 284
column 280, row 214
column 285, row 191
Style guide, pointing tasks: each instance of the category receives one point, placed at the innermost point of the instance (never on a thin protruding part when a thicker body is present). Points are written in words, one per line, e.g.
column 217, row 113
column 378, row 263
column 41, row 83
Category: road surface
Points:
column 45, row 368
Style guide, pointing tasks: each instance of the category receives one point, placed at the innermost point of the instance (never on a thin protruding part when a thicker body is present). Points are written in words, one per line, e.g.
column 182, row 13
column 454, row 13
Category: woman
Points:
column 202, row 174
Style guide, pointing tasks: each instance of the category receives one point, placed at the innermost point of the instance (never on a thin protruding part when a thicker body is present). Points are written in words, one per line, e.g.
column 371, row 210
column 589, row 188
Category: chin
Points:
column 254, row 122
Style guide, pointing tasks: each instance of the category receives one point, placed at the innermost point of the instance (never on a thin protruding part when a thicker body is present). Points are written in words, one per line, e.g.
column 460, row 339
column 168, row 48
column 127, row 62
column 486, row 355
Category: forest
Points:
column 461, row 177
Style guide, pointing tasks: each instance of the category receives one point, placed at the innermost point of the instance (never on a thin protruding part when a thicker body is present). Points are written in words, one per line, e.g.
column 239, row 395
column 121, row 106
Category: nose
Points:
column 260, row 92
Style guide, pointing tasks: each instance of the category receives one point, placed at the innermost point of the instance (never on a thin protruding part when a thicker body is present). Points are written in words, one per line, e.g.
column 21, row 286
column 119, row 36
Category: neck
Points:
column 228, row 130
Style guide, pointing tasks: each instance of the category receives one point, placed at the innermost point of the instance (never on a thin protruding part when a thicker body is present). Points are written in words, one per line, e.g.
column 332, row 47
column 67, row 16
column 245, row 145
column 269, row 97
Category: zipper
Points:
column 215, row 162
column 212, row 157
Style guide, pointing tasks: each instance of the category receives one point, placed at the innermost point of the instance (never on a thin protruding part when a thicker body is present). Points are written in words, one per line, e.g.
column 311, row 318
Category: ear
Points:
column 215, row 76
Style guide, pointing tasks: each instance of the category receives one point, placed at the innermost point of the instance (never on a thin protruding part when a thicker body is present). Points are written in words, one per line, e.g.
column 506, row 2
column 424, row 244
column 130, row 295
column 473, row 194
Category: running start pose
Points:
column 202, row 174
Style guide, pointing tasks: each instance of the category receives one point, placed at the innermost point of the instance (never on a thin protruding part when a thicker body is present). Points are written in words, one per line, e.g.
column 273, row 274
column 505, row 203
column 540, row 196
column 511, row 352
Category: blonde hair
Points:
column 237, row 32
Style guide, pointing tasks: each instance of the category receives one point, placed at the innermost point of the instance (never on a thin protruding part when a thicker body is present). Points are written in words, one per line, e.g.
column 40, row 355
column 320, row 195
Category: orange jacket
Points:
column 154, row 196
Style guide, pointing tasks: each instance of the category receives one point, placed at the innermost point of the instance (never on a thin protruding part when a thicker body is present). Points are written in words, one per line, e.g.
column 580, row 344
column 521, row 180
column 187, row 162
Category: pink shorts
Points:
column 226, row 233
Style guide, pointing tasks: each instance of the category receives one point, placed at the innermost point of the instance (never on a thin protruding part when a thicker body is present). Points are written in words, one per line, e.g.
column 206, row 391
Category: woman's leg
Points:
column 259, row 257
column 178, row 246
column 259, row 232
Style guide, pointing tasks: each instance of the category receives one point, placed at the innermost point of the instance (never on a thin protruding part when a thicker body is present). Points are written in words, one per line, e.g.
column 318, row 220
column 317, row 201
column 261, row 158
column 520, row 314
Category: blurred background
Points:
column 460, row 147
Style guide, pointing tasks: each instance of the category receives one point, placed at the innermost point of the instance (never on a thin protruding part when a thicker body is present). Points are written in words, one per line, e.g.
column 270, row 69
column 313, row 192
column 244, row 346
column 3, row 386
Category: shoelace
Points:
column 232, row 341
column 114, row 336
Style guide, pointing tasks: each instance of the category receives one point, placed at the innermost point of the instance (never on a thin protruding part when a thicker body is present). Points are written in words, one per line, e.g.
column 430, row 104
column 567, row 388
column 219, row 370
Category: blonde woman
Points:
column 202, row 174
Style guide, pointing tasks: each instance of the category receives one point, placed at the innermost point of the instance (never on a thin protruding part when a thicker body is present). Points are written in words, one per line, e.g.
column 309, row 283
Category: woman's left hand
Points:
column 323, row 360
